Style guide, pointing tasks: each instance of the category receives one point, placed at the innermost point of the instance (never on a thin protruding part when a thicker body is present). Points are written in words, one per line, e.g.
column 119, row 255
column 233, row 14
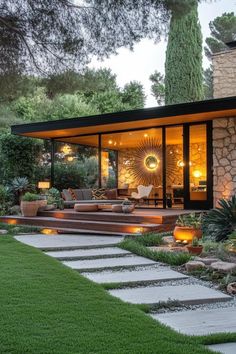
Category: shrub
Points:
column 220, row 222
column 30, row 197
column 6, row 200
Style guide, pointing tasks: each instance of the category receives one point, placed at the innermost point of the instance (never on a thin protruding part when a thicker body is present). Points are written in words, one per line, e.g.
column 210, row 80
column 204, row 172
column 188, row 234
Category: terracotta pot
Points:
column 42, row 204
column 127, row 209
column 29, row 208
column 186, row 233
column 196, row 250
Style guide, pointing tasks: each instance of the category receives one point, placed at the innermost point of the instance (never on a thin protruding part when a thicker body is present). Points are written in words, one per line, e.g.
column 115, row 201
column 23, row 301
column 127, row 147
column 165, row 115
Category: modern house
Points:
column 186, row 151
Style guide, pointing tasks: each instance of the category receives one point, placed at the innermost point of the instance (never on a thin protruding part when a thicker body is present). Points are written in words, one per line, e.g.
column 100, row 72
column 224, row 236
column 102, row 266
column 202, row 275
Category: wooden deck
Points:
column 105, row 222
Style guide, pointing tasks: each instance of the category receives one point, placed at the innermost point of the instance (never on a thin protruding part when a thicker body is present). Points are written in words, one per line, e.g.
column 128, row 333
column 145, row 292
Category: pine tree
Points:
column 183, row 67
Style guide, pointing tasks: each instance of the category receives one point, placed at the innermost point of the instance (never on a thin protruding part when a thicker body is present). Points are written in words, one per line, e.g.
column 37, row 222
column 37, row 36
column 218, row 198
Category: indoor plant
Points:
column 29, row 204
column 195, row 247
column 188, row 227
column 127, row 206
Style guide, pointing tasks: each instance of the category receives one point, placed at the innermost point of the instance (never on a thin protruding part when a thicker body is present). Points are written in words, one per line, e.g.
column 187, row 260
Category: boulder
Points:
column 223, row 267
column 194, row 265
column 231, row 288
column 206, row 260
column 3, row 232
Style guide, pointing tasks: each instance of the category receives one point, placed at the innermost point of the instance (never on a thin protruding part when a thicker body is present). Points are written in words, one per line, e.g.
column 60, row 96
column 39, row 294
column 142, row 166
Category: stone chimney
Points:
column 224, row 129
column 224, row 72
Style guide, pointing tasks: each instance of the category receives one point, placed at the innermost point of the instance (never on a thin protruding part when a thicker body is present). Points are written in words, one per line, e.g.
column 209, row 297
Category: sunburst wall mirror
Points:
column 145, row 162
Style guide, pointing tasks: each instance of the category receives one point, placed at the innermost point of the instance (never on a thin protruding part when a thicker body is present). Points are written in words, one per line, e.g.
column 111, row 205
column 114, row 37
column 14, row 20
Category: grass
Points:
column 152, row 239
column 47, row 308
column 159, row 256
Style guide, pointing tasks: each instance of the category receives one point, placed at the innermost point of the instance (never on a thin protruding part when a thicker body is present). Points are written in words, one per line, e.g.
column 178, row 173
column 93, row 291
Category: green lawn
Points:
column 48, row 308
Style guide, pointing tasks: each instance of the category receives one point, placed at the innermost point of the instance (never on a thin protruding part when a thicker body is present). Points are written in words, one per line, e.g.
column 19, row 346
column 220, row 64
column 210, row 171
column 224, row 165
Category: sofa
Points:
column 87, row 196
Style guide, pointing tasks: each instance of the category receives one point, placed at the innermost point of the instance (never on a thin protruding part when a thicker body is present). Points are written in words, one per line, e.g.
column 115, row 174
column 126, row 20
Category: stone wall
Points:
column 224, row 158
column 224, row 74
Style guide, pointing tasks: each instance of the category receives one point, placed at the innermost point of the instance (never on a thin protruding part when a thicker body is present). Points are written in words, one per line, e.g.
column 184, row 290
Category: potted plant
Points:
column 127, row 206
column 195, row 248
column 54, row 199
column 188, row 227
column 29, row 204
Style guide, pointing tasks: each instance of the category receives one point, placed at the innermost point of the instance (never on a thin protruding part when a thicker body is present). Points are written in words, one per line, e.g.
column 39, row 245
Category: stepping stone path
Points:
column 134, row 276
column 94, row 255
column 88, row 253
column 225, row 348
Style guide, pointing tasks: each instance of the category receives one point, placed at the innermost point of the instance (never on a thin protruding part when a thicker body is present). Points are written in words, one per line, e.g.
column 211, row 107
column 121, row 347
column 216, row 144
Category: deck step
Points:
column 84, row 224
column 136, row 217
column 185, row 294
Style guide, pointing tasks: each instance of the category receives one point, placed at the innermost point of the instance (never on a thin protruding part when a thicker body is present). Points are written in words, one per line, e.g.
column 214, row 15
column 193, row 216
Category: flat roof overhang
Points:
column 128, row 120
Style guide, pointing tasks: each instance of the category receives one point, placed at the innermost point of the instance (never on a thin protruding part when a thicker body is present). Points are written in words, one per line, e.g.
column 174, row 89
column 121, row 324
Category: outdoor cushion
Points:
column 67, row 195
column 111, row 193
column 99, row 193
column 77, row 194
column 86, row 207
column 87, row 194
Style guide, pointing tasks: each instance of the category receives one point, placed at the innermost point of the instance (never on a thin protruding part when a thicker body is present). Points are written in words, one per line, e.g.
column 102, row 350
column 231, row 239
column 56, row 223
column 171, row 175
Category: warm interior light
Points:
column 197, row 174
column 145, row 135
column 180, row 163
column 110, row 142
column 66, row 149
column 44, row 185
column 151, row 162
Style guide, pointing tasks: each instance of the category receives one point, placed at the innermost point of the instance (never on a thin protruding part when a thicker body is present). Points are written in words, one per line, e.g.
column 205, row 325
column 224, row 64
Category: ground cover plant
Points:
column 48, row 308
column 172, row 258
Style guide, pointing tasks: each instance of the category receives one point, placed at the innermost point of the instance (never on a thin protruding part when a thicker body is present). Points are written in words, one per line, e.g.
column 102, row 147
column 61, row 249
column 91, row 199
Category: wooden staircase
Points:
column 96, row 222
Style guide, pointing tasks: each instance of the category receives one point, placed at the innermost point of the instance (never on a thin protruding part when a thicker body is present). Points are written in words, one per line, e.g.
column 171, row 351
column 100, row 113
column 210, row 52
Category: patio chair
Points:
column 143, row 192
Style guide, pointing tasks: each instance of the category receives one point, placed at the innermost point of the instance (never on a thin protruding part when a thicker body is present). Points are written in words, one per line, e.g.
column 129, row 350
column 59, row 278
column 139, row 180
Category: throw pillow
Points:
column 99, row 194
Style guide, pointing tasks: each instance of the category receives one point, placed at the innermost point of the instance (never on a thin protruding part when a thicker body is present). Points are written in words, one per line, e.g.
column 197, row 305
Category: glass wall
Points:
column 76, row 163
column 174, row 167
column 198, row 162
column 133, row 158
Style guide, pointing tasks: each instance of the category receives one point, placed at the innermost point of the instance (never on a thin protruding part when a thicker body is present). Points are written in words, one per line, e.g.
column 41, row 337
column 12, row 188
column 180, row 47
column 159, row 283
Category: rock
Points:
column 231, row 288
column 168, row 239
column 224, row 267
column 194, row 265
column 3, row 232
column 206, row 260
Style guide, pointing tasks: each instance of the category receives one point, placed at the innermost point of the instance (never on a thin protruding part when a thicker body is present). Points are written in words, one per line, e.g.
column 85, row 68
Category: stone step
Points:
column 200, row 322
column 88, row 253
column 134, row 276
column 224, row 348
column 67, row 242
column 120, row 262
column 185, row 294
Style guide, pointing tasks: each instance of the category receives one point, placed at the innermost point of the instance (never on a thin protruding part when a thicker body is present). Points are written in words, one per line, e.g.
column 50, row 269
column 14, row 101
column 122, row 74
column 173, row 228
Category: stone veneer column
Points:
column 224, row 74
column 224, row 158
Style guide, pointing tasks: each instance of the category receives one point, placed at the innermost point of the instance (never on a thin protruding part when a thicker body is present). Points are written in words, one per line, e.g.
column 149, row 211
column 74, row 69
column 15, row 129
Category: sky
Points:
column 147, row 56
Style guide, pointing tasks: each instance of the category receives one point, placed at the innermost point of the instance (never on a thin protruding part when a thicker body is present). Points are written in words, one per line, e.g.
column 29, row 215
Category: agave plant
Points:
column 20, row 185
column 220, row 222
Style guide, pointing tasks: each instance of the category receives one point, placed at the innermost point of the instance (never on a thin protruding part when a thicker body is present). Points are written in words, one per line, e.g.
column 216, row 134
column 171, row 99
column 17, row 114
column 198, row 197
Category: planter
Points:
column 29, row 208
column 195, row 250
column 127, row 209
column 186, row 233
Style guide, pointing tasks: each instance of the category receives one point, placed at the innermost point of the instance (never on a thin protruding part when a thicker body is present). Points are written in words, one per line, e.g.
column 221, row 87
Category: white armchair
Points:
column 143, row 192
